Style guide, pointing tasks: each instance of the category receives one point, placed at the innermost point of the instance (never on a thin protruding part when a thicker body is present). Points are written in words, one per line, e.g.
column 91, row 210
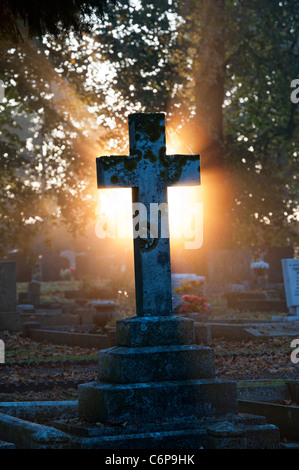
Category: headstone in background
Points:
column 33, row 292
column 83, row 265
column 274, row 255
column 290, row 268
column 229, row 266
column 23, row 266
column 9, row 319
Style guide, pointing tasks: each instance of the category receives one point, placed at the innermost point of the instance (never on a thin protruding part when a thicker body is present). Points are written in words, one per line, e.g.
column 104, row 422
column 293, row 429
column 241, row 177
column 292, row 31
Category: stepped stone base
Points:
column 164, row 388
column 149, row 402
column 154, row 331
column 155, row 364
column 232, row 432
column 156, row 374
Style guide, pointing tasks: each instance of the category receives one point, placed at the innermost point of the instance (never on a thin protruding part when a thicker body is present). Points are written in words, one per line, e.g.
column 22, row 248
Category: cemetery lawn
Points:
column 52, row 291
column 50, row 367
column 267, row 359
column 30, row 365
column 219, row 310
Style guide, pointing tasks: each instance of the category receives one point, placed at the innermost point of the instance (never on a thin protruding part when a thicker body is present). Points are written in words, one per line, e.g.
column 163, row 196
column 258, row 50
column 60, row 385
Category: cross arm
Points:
column 181, row 170
column 117, row 171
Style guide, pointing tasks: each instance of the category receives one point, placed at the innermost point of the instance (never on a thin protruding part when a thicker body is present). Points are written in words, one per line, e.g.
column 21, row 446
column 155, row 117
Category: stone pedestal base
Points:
column 156, row 364
column 160, row 401
column 154, row 331
column 164, row 389
column 156, row 373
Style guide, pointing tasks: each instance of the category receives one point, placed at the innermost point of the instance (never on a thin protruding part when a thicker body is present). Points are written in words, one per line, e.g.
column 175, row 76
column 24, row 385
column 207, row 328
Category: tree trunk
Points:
column 209, row 71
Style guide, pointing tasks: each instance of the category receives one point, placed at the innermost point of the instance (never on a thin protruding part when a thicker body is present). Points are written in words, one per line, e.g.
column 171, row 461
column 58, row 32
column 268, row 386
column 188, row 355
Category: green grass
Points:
column 219, row 310
column 55, row 286
column 51, row 291
column 261, row 383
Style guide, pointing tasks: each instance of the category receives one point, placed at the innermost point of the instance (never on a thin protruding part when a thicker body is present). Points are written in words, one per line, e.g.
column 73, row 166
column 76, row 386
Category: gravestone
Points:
column 83, row 265
column 155, row 371
column 33, row 292
column 155, row 375
column 23, row 266
column 290, row 269
column 273, row 256
column 9, row 319
column 229, row 266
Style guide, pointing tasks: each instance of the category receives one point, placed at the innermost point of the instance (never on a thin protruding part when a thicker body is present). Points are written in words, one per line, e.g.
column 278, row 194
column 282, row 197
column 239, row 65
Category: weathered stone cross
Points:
column 149, row 171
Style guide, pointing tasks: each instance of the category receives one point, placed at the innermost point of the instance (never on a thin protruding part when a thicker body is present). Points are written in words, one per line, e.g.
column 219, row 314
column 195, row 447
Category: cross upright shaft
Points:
column 149, row 171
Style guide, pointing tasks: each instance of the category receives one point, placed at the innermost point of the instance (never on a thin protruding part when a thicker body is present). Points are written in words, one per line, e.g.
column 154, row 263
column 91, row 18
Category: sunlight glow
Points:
column 114, row 213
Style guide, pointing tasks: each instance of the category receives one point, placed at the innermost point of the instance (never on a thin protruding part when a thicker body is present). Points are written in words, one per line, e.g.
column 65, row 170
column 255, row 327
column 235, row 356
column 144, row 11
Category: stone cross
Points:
column 149, row 171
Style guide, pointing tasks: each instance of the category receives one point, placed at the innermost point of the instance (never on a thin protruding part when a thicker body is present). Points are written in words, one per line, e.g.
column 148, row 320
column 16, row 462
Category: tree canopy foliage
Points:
column 39, row 18
column 222, row 72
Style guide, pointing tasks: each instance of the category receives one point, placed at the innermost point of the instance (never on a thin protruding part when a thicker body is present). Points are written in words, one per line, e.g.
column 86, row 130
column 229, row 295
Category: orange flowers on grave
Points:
column 191, row 287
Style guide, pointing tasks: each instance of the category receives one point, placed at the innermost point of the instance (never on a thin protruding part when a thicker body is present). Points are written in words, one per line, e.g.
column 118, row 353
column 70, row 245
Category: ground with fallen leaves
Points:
column 54, row 366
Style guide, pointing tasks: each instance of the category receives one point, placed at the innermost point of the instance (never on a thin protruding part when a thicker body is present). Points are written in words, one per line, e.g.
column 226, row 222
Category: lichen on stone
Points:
column 114, row 179
column 150, row 155
column 163, row 158
column 110, row 162
column 130, row 163
column 151, row 125
column 174, row 166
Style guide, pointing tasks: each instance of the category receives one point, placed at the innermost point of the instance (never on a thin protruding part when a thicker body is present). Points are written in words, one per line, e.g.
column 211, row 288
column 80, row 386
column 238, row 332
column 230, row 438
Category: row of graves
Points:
column 79, row 312
column 157, row 386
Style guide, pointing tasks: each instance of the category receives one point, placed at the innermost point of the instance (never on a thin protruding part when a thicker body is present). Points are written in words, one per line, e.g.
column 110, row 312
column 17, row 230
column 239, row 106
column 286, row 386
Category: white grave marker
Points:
column 290, row 269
